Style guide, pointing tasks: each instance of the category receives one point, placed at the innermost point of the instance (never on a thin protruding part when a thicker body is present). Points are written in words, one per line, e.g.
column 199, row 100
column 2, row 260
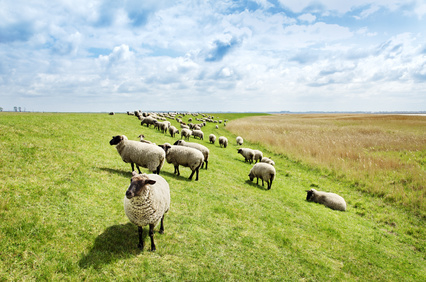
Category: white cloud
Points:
column 307, row 18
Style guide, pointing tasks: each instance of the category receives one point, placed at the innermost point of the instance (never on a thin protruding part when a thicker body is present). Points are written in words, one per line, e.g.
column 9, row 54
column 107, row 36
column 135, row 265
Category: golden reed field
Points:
column 380, row 154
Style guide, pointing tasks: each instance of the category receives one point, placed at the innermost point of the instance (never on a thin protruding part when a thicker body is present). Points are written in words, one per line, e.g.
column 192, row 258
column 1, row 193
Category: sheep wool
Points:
column 198, row 133
column 212, row 138
column 267, row 160
column 265, row 172
column 258, row 155
column 239, row 140
column 203, row 149
column 223, row 141
column 247, row 153
column 185, row 133
column 146, row 201
column 330, row 200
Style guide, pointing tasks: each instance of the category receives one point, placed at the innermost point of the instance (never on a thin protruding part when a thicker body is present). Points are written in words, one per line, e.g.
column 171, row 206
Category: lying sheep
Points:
column 212, row 138
column 141, row 154
column 239, row 140
column 258, row 155
column 223, row 141
column 173, row 131
column 331, row 200
column 198, row 133
column 142, row 138
column 247, row 153
column 199, row 147
column 184, row 156
column 264, row 171
column 147, row 200
column 185, row 133
column 267, row 160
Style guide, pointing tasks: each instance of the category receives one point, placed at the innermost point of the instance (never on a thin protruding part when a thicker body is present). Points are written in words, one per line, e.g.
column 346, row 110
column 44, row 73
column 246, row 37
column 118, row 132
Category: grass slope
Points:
column 61, row 214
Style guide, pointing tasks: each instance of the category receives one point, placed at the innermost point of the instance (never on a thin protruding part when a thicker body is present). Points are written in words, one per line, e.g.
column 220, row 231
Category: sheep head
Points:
column 310, row 194
column 138, row 183
column 117, row 139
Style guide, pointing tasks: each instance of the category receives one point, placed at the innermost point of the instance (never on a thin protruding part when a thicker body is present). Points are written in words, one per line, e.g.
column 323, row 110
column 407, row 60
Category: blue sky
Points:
column 238, row 56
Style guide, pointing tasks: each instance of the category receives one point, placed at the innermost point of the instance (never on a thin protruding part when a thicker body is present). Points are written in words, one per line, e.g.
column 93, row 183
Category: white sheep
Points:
column 173, row 131
column 203, row 149
column 146, row 201
column 267, row 160
column 198, row 133
column 184, row 156
column 264, row 171
column 185, row 133
column 148, row 121
column 258, row 155
column 240, row 140
column 223, row 141
column 331, row 200
column 247, row 153
column 212, row 138
column 141, row 154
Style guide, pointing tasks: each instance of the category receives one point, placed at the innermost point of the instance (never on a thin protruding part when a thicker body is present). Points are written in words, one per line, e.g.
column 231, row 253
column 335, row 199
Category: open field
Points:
column 383, row 155
column 61, row 213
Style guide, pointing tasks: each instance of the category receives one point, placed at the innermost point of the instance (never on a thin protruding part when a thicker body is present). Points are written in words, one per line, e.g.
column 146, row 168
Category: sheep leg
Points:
column 151, row 235
column 262, row 182
column 270, row 184
column 158, row 170
column 162, row 225
column 192, row 174
column 207, row 162
column 140, row 231
column 177, row 170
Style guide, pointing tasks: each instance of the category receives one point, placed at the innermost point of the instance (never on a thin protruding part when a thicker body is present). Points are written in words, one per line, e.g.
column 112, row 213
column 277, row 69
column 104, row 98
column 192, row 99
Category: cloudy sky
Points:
column 238, row 56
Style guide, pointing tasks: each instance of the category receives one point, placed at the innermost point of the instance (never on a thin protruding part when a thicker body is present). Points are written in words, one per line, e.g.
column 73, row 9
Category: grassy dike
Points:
column 62, row 218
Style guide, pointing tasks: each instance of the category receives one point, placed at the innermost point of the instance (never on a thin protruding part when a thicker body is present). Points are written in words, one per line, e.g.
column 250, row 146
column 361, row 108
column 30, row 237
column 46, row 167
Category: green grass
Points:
column 61, row 214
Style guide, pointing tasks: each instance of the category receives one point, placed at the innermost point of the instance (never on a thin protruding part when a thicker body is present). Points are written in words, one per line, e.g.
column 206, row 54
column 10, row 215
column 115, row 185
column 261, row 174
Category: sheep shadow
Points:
column 116, row 242
column 125, row 173
column 259, row 186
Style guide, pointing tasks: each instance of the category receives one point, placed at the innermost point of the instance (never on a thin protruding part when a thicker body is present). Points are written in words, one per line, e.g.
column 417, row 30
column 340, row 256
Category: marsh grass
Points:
column 383, row 155
column 62, row 218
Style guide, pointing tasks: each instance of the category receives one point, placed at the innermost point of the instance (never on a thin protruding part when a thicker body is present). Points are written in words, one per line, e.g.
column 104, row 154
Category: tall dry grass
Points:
column 381, row 154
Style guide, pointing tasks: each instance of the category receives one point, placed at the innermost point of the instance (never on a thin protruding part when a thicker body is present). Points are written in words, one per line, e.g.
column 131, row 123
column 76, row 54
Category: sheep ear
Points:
column 150, row 181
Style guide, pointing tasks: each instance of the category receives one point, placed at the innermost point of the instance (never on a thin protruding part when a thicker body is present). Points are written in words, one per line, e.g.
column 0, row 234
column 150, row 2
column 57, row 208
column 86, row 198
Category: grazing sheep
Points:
column 247, row 153
column 147, row 200
column 239, row 140
column 267, row 160
column 258, row 155
column 163, row 126
column 141, row 154
column 185, row 133
column 198, row 133
column 173, row 131
column 331, row 200
column 212, row 138
column 148, row 121
column 184, row 156
column 264, row 171
column 199, row 147
column 223, row 141
column 217, row 126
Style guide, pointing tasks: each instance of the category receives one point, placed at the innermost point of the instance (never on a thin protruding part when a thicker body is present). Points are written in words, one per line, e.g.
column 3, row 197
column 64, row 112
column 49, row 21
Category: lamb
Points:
column 239, row 140
column 264, row 171
column 199, row 147
column 185, row 156
column 330, row 200
column 146, row 202
column 185, row 133
column 212, row 138
column 247, row 153
column 141, row 154
column 267, row 160
column 223, row 141
column 258, row 155
column 173, row 131
column 198, row 133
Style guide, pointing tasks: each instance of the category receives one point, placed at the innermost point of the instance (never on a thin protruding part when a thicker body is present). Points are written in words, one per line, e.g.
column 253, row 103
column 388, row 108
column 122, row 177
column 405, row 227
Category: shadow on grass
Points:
column 125, row 173
column 259, row 186
column 116, row 242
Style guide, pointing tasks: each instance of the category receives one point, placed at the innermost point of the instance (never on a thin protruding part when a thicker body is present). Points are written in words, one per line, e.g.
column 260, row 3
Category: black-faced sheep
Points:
column 331, row 200
column 247, row 153
column 265, row 172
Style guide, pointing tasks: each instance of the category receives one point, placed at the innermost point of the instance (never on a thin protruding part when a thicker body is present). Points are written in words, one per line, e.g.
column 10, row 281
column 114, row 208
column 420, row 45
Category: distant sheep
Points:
column 258, row 155
column 247, row 153
column 198, row 133
column 264, row 171
column 141, row 154
column 331, row 200
column 267, row 160
column 185, row 133
column 148, row 121
column 142, row 138
column 223, row 141
column 212, row 138
column 173, row 131
column 203, row 149
column 147, row 200
column 240, row 141
column 184, row 156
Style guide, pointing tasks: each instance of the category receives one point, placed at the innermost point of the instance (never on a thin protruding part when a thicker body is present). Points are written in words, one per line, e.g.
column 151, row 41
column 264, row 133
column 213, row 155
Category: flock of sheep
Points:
column 147, row 198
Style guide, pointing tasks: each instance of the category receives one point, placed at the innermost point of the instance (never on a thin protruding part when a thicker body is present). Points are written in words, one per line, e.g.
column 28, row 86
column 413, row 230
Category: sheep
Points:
column 199, row 147
column 247, row 153
column 185, row 133
column 212, row 138
column 142, row 138
column 173, row 131
column 148, row 121
column 146, row 201
column 267, row 160
column 185, row 156
column 264, row 171
column 330, row 200
column 239, row 140
column 223, row 141
column 163, row 126
column 258, row 155
column 217, row 126
column 198, row 133
column 141, row 154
